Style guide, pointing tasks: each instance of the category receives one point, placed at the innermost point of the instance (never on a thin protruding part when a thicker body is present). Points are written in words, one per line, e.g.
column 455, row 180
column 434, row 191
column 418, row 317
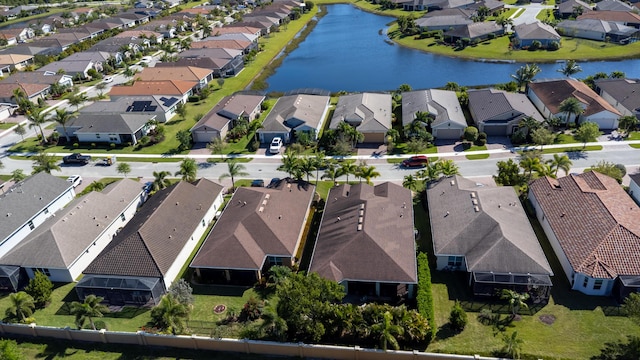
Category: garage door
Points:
column 206, row 137
column 374, row 138
column 496, row 130
column 449, row 134
column 266, row 137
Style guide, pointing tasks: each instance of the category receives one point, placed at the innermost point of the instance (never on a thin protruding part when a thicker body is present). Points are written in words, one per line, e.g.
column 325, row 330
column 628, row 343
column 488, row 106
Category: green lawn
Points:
column 563, row 138
column 634, row 135
column 477, row 156
column 6, row 125
column 401, row 149
column 570, row 149
column 578, row 49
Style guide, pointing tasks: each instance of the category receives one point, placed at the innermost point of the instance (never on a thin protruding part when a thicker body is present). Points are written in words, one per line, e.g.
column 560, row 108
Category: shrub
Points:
column 100, row 325
column 535, row 45
column 424, row 296
column 40, row 289
column 466, row 145
column 518, row 137
column 75, row 145
column 253, row 146
column 458, row 317
column 193, row 98
column 470, row 133
column 112, row 145
column 482, row 135
column 553, row 46
column 480, row 142
column 93, row 145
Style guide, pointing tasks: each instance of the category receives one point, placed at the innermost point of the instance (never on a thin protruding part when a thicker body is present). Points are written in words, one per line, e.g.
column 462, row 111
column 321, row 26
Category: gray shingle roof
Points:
column 384, row 250
column 369, row 112
column 475, row 30
column 149, row 244
column 535, row 31
column 291, row 111
column 442, row 104
column 498, row 237
column 25, row 199
column 257, row 222
column 111, row 123
column 487, row 104
column 624, row 91
column 60, row 240
column 228, row 109
column 595, row 222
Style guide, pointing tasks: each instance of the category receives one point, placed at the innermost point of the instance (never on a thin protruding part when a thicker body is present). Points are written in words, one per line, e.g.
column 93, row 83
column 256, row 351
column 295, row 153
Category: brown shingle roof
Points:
column 383, row 250
column 625, row 17
column 222, row 43
column 163, row 87
column 595, row 221
column 553, row 92
column 258, row 222
column 185, row 73
column 149, row 244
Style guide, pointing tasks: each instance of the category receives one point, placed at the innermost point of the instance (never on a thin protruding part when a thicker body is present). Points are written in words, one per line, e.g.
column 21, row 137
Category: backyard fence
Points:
column 233, row 345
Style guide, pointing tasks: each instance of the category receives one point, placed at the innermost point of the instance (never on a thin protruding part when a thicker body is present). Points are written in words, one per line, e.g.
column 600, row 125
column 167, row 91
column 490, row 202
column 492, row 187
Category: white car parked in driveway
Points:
column 75, row 180
column 275, row 146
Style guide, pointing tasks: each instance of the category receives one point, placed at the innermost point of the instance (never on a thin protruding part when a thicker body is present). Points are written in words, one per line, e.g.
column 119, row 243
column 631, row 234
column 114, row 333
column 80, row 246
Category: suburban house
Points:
column 484, row 231
column 366, row 241
column 29, row 203
column 443, row 108
column 146, row 256
column 600, row 256
column 34, row 84
column 244, row 36
column 431, row 5
column 436, row 21
column 294, row 113
column 548, row 95
column 628, row 18
column 614, row 5
column 233, row 29
column 228, row 62
column 526, row 34
column 9, row 37
column 634, row 186
column 225, row 114
column 10, row 62
column 571, row 8
column 216, row 42
column 21, row 33
column 185, row 73
column 260, row 227
column 115, row 128
column 80, row 63
column 66, row 243
column 498, row 113
column 159, row 108
column 622, row 94
column 180, row 89
column 369, row 113
column 600, row 30
column 475, row 32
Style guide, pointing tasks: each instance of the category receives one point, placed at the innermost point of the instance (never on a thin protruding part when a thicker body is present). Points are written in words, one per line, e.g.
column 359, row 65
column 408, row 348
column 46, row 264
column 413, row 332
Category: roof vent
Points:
column 477, row 209
column 474, row 202
column 8, row 214
column 177, row 203
column 453, row 182
column 339, row 218
column 447, row 214
column 261, row 209
column 473, row 195
column 267, row 196
column 359, row 227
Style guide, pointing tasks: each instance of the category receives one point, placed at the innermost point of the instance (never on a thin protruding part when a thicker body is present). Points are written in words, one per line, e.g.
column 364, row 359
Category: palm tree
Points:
column 560, row 162
column 160, row 180
column 17, row 175
column 448, row 167
column 331, row 172
column 97, row 185
column 410, row 182
column 89, row 309
column 529, row 123
column 512, row 345
column 515, row 299
column 525, row 74
column 347, row 168
column 319, row 161
column 234, row 169
column 37, row 119
column 44, row 162
column 170, row 314
column 529, row 165
column 431, row 172
column 571, row 106
column 569, row 68
column 386, row 331
column 188, row 170
column 22, row 305
column 628, row 123
column 62, row 117
column 290, row 162
column 368, row 172
column 77, row 99
column 306, row 166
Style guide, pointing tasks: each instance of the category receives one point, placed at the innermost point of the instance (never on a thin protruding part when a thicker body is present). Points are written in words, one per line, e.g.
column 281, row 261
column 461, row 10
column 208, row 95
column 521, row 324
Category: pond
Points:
column 349, row 51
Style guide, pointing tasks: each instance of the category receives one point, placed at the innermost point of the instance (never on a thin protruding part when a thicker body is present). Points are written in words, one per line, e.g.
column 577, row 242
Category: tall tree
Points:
column 386, row 332
column 307, row 166
column 542, row 136
column 17, row 175
column 45, row 162
column 628, row 123
column 516, row 300
column 569, row 68
column 560, row 162
column 170, row 314
column 508, row 173
column 20, row 130
column 588, row 132
column 124, row 168
column 40, row 288
column 347, row 168
column 530, row 165
column 525, row 74
column 37, row 119
column 184, row 138
column 234, row 169
column 77, row 99
column 368, row 172
column 290, row 162
column 448, row 167
column 331, row 173
column 431, row 172
column 21, row 305
column 529, row 124
column 411, row 182
column 160, row 180
column 571, row 106
column 188, row 170
column 512, row 345
column 62, row 117
column 88, row 310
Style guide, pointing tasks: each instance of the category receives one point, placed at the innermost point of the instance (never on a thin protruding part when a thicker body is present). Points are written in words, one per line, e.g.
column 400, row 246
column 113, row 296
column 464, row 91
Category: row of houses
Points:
column 130, row 252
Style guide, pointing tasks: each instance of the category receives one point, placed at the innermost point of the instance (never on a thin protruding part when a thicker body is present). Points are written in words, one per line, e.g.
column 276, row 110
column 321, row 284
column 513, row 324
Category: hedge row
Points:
column 424, row 296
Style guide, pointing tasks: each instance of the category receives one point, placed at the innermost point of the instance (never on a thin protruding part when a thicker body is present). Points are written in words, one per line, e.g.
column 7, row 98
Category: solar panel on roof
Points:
column 139, row 106
column 168, row 102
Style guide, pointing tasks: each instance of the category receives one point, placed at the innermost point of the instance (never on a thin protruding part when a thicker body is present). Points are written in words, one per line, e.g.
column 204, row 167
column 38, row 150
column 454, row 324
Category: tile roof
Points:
column 61, row 239
column 185, row 73
column 228, row 109
column 553, row 92
column 608, row 244
column 497, row 237
column 25, row 199
column 13, row 59
column 6, row 89
column 256, row 223
column 366, row 111
column 610, row 15
column 442, row 104
column 489, row 104
column 159, row 87
column 382, row 251
column 292, row 111
column 149, row 244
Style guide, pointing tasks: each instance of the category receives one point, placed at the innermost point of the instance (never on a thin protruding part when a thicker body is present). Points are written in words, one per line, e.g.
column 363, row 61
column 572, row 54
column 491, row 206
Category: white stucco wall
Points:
column 634, row 191
column 605, row 119
column 623, row 110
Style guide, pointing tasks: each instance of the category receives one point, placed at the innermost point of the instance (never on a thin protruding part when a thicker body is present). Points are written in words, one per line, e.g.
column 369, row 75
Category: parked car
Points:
column 257, row 183
column 148, row 186
column 415, row 161
column 275, row 146
column 108, row 79
column 274, row 182
column 75, row 180
column 76, row 158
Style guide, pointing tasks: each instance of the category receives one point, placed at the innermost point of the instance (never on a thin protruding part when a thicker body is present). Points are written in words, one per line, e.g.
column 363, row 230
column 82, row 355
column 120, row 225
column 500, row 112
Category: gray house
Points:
column 369, row 113
column 159, row 108
column 623, row 94
column 224, row 115
column 442, row 106
column 600, row 30
column 484, row 231
column 366, row 241
column 107, row 128
column 498, row 113
column 294, row 113
column 526, row 34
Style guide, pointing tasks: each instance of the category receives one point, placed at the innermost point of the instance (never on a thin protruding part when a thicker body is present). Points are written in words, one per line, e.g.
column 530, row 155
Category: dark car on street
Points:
column 76, row 158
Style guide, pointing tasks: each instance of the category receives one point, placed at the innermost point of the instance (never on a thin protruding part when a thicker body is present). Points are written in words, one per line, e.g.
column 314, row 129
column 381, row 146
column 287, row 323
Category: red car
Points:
column 415, row 161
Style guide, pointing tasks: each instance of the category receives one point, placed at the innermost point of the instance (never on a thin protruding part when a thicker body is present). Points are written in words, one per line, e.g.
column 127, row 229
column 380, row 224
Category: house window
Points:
column 455, row 261
column 203, row 222
column 42, row 270
column 122, row 217
column 275, row 260
column 97, row 136
column 585, row 282
column 597, row 284
column 31, row 226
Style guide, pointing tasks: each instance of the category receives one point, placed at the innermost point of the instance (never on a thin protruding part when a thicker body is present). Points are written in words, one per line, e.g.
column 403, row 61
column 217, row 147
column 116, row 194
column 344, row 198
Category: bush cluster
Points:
column 424, row 296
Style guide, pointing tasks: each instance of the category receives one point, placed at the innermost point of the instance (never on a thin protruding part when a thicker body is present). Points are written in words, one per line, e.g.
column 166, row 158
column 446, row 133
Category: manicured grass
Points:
column 570, row 149
column 5, row 125
column 106, row 181
column 563, row 138
column 401, row 149
column 578, row 49
column 322, row 188
column 375, row 8
column 515, row 11
column 546, row 15
column 477, row 156
column 634, row 135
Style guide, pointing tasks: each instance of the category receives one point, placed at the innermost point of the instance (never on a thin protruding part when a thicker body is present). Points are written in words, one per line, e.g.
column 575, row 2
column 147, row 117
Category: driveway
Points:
column 529, row 14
